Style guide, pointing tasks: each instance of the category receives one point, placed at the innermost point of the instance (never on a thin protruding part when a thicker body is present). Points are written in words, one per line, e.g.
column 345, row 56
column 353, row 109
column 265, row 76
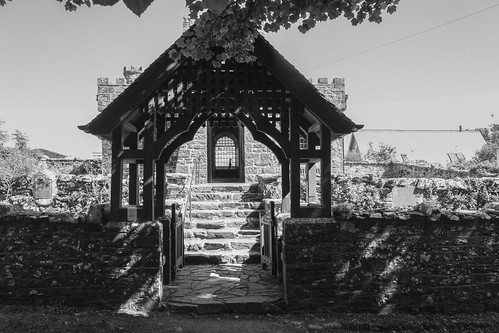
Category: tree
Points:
column 21, row 140
column 488, row 152
column 4, row 136
column 16, row 168
column 383, row 154
column 227, row 28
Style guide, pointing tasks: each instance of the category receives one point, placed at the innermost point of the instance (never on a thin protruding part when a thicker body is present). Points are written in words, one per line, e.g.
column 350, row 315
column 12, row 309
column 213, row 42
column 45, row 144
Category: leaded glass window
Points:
column 226, row 154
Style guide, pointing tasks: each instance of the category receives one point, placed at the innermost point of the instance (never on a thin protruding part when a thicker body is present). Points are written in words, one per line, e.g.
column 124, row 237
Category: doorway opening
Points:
column 225, row 153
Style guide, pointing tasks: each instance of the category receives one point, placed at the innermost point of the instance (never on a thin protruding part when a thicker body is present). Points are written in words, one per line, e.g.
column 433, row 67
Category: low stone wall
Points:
column 44, row 259
column 381, row 263
column 372, row 193
column 400, row 170
column 74, row 194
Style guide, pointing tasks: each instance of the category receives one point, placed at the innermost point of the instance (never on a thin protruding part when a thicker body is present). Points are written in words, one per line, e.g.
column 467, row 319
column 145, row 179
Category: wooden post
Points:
column 133, row 175
column 311, row 182
column 160, row 187
column 325, row 171
column 149, row 174
column 173, row 242
column 285, row 208
column 116, row 171
column 294, row 173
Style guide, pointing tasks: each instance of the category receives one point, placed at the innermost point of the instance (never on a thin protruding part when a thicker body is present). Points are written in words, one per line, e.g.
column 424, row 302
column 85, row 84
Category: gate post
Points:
column 167, row 263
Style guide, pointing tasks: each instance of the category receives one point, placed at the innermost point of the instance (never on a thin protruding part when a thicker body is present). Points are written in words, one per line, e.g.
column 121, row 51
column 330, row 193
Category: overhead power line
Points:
column 403, row 38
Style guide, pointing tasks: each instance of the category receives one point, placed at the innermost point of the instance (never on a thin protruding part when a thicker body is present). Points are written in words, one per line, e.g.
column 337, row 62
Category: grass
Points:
column 65, row 319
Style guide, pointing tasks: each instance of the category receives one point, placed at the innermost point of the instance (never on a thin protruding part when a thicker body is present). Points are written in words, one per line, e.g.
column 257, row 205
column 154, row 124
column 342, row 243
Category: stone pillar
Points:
column 107, row 91
column 334, row 92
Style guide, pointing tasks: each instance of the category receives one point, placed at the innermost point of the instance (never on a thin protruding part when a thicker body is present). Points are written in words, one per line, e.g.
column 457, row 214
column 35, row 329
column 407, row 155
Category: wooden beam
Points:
column 263, row 125
column 315, row 127
column 131, row 155
column 261, row 137
column 184, row 137
column 116, row 171
column 180, row 126
column 128, row 127
column 326, row 171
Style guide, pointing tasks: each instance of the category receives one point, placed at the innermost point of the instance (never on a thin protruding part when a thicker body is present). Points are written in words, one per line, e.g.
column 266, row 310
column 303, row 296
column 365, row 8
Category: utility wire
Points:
column 403, row 38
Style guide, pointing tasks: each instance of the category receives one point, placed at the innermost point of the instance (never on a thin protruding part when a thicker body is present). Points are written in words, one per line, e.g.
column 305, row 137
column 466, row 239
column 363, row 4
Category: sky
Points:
column 434, row 64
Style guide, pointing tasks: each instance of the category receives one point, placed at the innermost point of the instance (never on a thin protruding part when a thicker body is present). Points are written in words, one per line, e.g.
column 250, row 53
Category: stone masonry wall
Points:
column 44, row 259
column 258, row 159
column 405, row 262
column 334, row 92
column 187, row 155
column 107, row 91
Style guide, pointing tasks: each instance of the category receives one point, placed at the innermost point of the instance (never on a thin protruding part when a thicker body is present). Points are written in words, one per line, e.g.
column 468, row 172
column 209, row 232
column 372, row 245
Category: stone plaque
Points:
column 403, row 196
column 42, row 188
column 131, row 212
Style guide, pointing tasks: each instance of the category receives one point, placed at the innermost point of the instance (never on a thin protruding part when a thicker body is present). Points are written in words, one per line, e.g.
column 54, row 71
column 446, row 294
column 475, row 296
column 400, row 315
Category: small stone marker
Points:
column 403, row 196
column 44, row 187
column 131, row 212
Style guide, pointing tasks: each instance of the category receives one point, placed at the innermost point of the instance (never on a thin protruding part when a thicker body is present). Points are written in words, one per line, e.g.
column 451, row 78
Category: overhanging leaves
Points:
column 231, row 26
column 138, row 6
column 105, row 2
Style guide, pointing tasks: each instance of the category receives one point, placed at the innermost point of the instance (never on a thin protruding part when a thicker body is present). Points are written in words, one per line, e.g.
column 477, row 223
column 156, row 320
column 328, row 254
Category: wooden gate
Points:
column 177, row 241
column 268, row 241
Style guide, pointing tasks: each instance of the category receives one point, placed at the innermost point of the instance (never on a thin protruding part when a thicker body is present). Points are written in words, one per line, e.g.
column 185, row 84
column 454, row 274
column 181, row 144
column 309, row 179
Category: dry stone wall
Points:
column 399, row 170
column 396, row 262
column 48, row 259
column 372, row 193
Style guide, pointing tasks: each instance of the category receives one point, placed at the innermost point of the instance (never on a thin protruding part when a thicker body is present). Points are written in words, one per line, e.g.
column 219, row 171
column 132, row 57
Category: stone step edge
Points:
column 249, row 240
column 256, row 197
column 222, row 187
column 275, row 306
column 236, row 202
column 235, row 230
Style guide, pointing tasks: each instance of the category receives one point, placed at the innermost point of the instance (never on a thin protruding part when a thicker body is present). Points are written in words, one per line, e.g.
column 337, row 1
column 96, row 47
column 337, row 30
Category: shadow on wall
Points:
column 45, row 259
column 383, row 265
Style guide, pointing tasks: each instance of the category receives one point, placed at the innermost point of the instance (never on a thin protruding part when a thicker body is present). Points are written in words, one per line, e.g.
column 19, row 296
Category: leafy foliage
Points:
column 21, row 140
column 4, row 136
column 16, row 168
column 227, row 28
column 382, row 154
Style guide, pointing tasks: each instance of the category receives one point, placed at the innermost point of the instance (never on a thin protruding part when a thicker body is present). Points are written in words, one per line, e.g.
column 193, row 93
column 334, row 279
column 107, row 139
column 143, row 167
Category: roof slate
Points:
column 428, row 145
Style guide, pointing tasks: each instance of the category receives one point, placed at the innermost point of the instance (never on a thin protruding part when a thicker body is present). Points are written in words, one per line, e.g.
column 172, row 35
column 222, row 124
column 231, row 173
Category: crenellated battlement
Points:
column 111, row 81
column 334, row 91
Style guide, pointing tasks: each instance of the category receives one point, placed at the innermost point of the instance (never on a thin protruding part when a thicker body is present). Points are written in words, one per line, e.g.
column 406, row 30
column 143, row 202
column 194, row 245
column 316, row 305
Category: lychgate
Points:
column 172, row 100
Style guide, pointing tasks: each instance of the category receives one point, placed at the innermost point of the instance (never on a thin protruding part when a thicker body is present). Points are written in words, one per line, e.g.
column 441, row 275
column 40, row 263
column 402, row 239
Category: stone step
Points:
column 213, row 205
column 227, row 196
column 224, row 213
column 222, row 257
column 220, row 223
column 227, row 245
column 217, row 196
column 224, row 233
column 226, row 187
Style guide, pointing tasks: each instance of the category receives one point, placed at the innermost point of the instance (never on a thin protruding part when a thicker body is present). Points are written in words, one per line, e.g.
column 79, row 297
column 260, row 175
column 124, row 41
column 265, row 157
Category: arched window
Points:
column 226, row 153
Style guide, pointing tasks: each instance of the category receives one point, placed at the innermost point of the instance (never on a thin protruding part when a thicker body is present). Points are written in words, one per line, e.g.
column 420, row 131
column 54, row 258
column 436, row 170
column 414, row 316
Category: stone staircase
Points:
column 223, row 226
